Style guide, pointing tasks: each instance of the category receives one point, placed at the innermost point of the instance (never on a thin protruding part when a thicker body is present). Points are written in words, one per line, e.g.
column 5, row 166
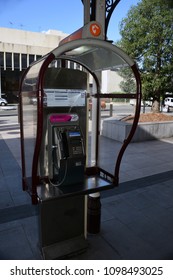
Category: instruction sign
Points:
column 64, row 97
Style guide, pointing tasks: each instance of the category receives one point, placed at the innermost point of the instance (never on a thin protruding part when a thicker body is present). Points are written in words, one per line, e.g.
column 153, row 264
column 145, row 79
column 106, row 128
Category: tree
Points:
column 128, row 82
column 147, row 36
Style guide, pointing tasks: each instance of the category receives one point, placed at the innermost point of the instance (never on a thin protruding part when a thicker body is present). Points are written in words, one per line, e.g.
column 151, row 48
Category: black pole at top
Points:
column 110, row 5
column 93, row 10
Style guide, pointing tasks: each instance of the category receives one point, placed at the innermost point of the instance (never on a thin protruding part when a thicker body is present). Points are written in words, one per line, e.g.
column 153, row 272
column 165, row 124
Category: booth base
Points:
column 65, row 249
column 62, row 227
column 63, row 217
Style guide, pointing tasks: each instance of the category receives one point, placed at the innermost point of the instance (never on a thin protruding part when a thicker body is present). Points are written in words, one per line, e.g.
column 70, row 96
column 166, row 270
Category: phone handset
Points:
column 60, row 154
column 62, row 143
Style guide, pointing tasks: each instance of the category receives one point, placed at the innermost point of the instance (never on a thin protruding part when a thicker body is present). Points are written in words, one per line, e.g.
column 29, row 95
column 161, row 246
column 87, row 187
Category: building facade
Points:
column 18, row 49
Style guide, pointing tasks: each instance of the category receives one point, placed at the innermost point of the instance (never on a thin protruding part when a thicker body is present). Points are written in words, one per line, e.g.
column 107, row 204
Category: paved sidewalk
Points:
column 137, row 217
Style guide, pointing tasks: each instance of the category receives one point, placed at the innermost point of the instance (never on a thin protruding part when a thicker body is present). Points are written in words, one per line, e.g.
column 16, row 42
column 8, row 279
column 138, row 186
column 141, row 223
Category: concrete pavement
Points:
column 137, row 217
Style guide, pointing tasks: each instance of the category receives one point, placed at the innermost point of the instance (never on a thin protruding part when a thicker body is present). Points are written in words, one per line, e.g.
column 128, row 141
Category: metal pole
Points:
column 100, row 14
column 94, row 204
column 111, row 109
column 86, row 4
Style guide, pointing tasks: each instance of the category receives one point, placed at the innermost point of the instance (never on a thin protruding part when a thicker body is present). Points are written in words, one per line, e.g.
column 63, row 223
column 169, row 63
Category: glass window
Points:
column 1, row 59
column 38, row 57
column 24, row 61
column 16, row 60
column 78, row 66
column 8, row 60
column 58, row 63
column 71, row 65
column 31, row 58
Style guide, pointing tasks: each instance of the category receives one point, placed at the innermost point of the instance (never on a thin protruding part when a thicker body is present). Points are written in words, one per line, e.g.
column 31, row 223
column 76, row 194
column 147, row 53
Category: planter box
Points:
column 119, row 130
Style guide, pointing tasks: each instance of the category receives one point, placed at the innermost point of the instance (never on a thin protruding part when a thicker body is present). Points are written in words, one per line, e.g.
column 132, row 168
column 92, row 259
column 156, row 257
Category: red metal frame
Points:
column 93, row 170
column 35, row 179
column 134, row 124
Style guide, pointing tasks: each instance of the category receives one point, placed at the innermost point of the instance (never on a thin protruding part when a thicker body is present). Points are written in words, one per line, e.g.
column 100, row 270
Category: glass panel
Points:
column 118, row 81
column 29, row 102
column 29, row 122
column 65, row 92
column 100, row 59
column 108, row 60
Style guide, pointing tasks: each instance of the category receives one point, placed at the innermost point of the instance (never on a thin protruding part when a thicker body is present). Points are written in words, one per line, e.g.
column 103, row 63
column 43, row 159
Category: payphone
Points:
column 66, row 151
column 55, row 139
column 55, row 136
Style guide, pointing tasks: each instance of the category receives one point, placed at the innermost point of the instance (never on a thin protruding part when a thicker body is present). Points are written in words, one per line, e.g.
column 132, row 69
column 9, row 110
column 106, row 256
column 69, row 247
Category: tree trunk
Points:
column 155, row 106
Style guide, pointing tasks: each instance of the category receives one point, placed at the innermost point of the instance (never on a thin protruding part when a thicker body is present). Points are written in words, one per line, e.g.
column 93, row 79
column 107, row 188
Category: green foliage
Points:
column 147, row 36
column 127, row 84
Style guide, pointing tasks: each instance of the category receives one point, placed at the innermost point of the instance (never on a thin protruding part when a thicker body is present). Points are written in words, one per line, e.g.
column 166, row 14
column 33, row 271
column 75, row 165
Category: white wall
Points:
column 37, row 43
column 20, row 41
column 111, row 82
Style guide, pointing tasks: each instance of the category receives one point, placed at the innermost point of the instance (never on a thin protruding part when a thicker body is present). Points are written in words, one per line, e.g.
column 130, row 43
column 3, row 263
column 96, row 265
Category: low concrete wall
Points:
column 119, row 130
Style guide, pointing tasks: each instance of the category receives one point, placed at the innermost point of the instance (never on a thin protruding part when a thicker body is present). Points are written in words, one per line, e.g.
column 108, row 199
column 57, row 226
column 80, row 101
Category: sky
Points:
column 62, row 15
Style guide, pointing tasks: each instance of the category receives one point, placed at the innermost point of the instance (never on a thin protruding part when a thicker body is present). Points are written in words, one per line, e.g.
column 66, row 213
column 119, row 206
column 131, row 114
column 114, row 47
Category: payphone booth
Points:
column 55, row 149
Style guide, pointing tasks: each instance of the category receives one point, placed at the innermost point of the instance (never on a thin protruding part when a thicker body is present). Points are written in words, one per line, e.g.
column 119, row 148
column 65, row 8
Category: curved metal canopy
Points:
column 96, row 55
